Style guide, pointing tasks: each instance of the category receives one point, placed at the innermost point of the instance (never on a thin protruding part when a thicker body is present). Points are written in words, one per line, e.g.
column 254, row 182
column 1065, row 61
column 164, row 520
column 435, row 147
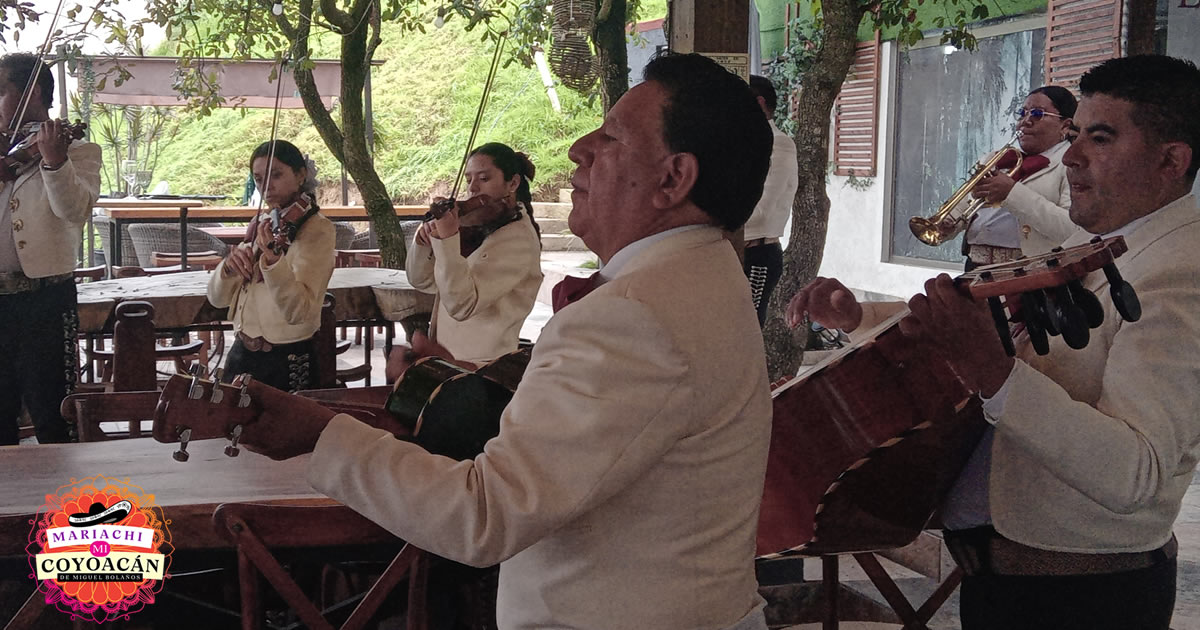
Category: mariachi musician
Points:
column 274, row 282
column 1027, row 212
column 1063, row 516
column 44, row 200
column 482, row 259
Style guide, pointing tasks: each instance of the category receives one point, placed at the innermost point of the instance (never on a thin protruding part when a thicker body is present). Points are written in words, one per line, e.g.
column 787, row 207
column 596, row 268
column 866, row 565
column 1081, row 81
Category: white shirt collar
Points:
column 627, row 253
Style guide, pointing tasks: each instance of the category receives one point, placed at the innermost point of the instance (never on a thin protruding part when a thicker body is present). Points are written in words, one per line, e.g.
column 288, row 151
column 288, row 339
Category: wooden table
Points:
column 187, row 492
column 180, row 299
column 228, row 235
column 177, row 208
column 126, row 211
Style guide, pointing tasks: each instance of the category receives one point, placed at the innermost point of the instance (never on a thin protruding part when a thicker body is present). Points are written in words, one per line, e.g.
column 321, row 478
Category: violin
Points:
column 23, row 148
column 284, row 224
column 478, row 217
column 477, row 211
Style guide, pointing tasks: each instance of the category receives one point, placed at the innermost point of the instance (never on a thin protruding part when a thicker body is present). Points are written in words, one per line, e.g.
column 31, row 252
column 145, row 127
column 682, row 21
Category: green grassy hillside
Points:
column 424, row 100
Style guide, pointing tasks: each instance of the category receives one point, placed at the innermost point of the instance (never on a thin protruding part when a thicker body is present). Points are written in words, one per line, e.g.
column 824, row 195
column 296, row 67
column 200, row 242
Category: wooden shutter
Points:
column 1079, row 35
column 855, row 113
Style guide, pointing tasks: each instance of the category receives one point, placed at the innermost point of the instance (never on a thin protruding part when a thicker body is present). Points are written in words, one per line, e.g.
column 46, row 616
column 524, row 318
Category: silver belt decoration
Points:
column 17, row 282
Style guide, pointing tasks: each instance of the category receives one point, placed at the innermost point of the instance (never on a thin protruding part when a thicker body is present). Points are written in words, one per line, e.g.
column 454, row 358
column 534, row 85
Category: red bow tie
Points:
column 1030, row 164
column 572, row 289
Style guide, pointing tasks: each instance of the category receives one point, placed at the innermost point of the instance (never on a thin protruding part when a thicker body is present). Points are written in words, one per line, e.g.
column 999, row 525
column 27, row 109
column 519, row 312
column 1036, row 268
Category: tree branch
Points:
column 374, row 40
column 343, row 21
column 282, row 22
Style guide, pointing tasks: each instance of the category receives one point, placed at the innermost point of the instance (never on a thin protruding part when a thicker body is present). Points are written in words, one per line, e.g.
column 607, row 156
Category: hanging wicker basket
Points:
column 573, row 62
column 573, row 17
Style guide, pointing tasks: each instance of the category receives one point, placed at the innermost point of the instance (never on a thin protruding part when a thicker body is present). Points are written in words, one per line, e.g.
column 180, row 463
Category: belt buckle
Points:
column 255, row 344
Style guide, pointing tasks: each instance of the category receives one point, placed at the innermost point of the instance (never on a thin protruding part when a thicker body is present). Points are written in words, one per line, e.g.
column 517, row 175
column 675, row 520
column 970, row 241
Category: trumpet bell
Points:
column 926, row 231
column 943, row 226
column 948, row 221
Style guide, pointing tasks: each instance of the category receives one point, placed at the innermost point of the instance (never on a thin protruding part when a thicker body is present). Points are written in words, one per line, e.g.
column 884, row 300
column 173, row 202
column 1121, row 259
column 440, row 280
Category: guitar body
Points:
column 865, row 446
column 452, row 411
column 863, row 449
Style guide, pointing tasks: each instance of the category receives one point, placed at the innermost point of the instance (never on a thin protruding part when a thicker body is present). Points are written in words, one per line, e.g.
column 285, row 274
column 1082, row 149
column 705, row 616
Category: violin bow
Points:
column 262, row 197
column 487, row 91
column 27, row 93
column 262, row 194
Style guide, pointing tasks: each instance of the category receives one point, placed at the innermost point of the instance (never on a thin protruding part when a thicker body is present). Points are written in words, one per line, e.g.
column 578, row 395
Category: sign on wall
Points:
column 737, row 63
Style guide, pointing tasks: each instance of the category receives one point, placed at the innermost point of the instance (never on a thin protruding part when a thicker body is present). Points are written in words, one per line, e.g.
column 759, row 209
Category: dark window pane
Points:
column 952, row 110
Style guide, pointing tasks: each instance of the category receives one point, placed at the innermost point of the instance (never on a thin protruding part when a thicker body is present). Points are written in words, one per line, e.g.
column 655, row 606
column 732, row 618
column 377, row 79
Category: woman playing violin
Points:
column 274, row 281
column 482, row 259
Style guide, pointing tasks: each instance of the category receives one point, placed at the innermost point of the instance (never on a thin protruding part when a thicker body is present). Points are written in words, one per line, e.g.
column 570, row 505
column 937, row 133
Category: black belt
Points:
column 17, row 282
column 983, row 551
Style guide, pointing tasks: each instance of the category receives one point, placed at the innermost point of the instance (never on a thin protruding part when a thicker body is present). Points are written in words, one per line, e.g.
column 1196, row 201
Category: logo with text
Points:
column 99, row 549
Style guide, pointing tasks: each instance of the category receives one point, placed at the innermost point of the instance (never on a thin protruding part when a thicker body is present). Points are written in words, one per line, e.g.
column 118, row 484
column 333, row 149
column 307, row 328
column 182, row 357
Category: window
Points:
column 953, row 107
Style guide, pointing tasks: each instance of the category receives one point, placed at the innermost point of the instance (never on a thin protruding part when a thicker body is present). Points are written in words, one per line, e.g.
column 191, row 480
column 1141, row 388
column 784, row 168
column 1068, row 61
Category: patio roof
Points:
column 243, row 83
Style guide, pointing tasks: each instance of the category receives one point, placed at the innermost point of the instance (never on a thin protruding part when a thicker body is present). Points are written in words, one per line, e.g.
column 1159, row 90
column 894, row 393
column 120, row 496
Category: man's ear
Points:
column 1177, row 158
column 678, row 179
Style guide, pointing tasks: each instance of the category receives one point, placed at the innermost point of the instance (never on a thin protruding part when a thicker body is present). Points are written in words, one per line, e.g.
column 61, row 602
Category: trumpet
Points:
column 944, row 226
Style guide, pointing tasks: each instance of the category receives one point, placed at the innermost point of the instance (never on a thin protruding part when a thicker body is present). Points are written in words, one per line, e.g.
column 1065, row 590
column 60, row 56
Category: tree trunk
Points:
column 810, row 211
column 609, row 37
column 349, row 142
column 1141, row 27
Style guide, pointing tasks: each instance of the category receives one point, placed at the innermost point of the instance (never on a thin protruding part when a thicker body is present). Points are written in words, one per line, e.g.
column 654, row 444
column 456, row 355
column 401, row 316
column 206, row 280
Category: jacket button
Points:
column 14, row 203
column 18, row 225
column 20, row 244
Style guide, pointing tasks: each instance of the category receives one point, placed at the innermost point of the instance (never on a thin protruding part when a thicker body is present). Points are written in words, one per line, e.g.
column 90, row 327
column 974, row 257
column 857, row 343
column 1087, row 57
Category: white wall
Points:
column 857, row 218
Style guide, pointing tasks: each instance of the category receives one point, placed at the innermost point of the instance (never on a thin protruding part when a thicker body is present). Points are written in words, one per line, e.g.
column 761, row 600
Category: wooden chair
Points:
column 132, row 271
column 328, row 347
column 134, row 352
column 90, row 274
column 87, row 411
column 359, row 258
column 210, row 344
column 91, row 341
column 206, row 260
column 256, row 529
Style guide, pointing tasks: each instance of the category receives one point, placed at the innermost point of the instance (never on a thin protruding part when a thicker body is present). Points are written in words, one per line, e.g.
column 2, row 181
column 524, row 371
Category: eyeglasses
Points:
column 1035, row 114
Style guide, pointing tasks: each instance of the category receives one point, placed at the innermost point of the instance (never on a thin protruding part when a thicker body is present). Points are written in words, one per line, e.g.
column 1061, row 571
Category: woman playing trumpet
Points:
column 1027, row 214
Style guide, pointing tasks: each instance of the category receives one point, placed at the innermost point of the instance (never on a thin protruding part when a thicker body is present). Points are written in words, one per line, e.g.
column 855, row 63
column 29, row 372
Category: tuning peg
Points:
column 218, row 375
column 1040, row 308
column 196, row 389
column 198, row 370
column 1123, row 296
column 1001, row 322
column 181, row 455
column 1034, row 315
column 244, row 381
column 232, row 450
column 1088, row 302
column 217, row 394
column 1072, row 321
